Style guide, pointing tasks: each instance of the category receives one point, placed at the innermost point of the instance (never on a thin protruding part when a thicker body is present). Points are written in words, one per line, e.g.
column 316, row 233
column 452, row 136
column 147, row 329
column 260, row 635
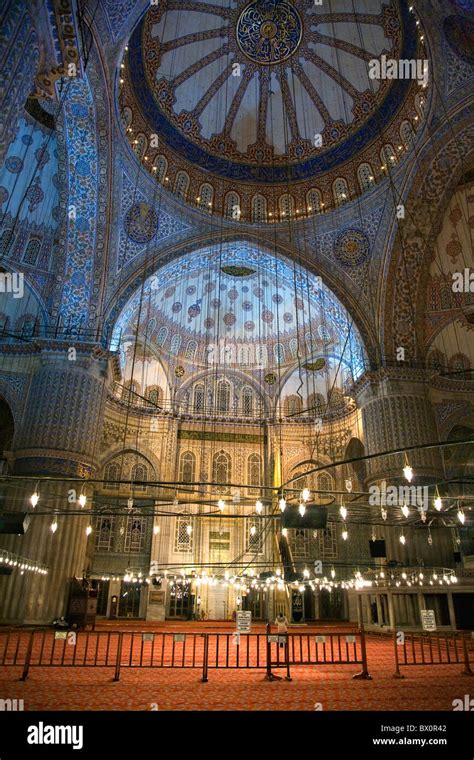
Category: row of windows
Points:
column 134, row 533
column 286, row 202
column 26, row 326
column 138, row 476
column 203, row 399
column 218, row 541
column 314, row 544
column 32, row 249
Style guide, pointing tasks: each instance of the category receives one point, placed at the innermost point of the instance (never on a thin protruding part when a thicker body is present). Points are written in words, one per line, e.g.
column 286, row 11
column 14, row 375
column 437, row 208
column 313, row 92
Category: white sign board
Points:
column 428, row 620
column 244, row 621
column 320, row 639
column 272, row 639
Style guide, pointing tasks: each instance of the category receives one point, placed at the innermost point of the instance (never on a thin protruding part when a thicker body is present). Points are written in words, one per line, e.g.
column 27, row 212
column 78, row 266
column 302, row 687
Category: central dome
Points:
column 269, row 32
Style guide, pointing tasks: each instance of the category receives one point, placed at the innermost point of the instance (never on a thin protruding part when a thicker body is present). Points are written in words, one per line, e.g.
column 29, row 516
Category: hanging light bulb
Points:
column 343, row 511
column 88, row 530
column 384, row 513
column 130, row 504
column 333, row 573
column 403, row 539
column 423, row 515
column 373, row 537
column 284, row 532
column 305, row 494
column 253, row 530
column 408, row 471
column 82, row 500
column 258, row 507
column 189, row 529
column 345, row 535
column 306, row 573
column 156, row 529
column 461, row 516
column 438, row 502
column 54, row 526
column 301, row 509
column 430, row 538
column 405, row 511
column 221, row 504
column 282, row 504
column 34, row 498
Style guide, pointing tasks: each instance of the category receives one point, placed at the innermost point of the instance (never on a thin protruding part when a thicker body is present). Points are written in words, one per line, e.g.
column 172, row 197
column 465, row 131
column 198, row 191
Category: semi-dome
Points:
column 269, row 93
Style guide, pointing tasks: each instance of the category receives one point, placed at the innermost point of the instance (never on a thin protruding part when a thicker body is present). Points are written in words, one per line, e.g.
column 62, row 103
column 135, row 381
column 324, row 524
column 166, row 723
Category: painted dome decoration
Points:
column 246, row 96
column 270, row 317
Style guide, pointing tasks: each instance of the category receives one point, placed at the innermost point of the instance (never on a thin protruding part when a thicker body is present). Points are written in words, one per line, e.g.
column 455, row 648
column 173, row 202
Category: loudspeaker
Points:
column 14, row 522
column 377, row 548
column 314, row 517
column 457, row 556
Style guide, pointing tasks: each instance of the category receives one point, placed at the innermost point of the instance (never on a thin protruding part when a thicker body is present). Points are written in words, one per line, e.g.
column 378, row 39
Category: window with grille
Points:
column 154, row 394
column 191, row 349
column 187, row 467
column 254, row 538
column 293, row 405
column 327, row 541
column 183, row 540
column 161, row 165
column 254, row 474
column 175, row 344
column 139, row 473
column 300, row 543
column 316, row 402
column 365, row 176
column 420, row 103
column 6, row 241
column 104, row 533
column 219, row 543
column 181, row 185
column 162, row 335
column 314, row 201
column 407, row 134
column 206, row 196
column 287, row 206
column 32, row 251
column 387, row 156
column 279, row 353
column 221, row 470
column 232, row 206
column 111, row 473
column 199, row 398
column 294, row 347
column 340, row 191
column 259, row 208
column 223, row 396
column 140, row 145
column 247, row 402
column 135, row 534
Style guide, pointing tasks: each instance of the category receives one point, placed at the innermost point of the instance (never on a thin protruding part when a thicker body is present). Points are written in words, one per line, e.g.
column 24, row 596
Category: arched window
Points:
column 292, row 405
column 407, row 134
column 294, row 347
column 199, row 398
column 279, row 353
column 314, row 201
column 191, row 348
column 388, row 157
column 232, row 207
column 243, row 357
column 181, row 185
column 459, row 362
column 259, row 209
column 365, row 177
column 162, row 335
column 187, row 467
column 223, row 396
column 316, row 402
column 139, row 476
column 135, row 533
column 111, row 474
column 254, row 474
column 437, row 359
column 183, row 536
column 161, row 167
column 221, row 470
column 261, row 355
column 247, row 402
column 154, row 394
column 175, row 344
column 32, row 250
column 104, row 533
column 6, row 242
column 254, row 537
column 26, row 326
column 206, row 196
column 287, row 206
column 340, row 191
column 309, row 341
column 140, row 145
column 127, row 116
column 325, row 483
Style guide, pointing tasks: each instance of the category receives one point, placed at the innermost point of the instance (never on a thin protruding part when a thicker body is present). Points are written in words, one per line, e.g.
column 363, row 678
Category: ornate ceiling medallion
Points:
column 269, row 31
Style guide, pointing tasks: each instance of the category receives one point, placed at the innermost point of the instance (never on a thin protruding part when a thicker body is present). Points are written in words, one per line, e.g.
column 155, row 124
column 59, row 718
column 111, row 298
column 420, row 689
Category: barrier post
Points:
column 119, row 656
column 26, row 666
column 467, row 666
column 364, row 674
column 205, row 659
column 397, row 673
column 287, row 655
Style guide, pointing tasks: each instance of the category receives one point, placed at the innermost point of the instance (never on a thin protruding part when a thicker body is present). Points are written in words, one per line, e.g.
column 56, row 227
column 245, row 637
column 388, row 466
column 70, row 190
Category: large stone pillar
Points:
column 56, row 439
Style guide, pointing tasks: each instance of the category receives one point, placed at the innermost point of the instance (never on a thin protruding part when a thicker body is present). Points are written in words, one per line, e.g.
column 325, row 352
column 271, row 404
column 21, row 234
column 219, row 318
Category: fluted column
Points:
column 57, row 437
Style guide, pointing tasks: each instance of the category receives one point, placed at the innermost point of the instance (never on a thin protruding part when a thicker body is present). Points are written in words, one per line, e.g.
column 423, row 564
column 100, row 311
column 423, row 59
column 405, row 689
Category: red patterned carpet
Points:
column 331, row 686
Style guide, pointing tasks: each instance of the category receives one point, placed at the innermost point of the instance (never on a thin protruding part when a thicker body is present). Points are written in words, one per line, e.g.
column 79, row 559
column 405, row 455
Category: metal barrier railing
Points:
column 429, row 648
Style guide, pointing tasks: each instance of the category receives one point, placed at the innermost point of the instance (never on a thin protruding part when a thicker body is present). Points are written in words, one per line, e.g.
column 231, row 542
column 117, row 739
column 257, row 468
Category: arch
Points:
column 162, row 335
column 111, row 474
column 316, row 402
column 175, row 344
column 104, row 532
column 32, row 251
column 407, row 134
column 254, row 474
column 154, row 393
column 181, row 185
column 187, row 467
column 279, row 353
column 354, row 450
column 223, row 396
column 259, row 208
column 140, row 146
column 293, row 405
column 199, row 398
column 340, row 191
column 286, row 205
column 365, row 176
column 232, row 206
column 247, row 401
column 191, row 350
column 388, row 156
